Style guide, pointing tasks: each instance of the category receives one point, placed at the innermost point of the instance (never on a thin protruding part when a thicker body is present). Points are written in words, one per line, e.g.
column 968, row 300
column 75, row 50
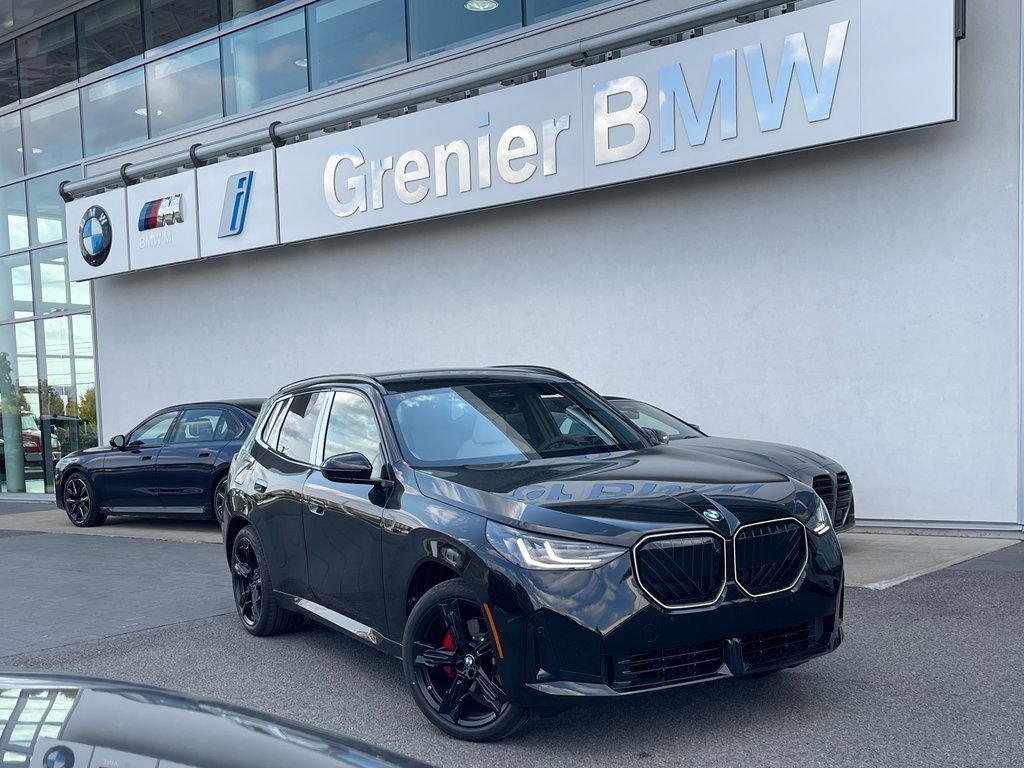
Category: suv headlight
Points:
column 545, row 553
column 820, row 521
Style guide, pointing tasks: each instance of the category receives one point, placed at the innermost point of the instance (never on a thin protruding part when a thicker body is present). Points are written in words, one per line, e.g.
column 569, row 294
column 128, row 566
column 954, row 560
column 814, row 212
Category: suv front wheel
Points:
column 448, row 654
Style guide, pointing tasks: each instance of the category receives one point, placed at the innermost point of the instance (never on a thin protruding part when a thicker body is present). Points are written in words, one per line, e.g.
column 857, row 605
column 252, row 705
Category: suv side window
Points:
column 352, row 428
column 299, row 426
column 269, row 433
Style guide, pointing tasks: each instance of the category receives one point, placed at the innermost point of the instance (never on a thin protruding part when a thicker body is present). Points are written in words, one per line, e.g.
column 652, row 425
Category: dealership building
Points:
column 799, row 222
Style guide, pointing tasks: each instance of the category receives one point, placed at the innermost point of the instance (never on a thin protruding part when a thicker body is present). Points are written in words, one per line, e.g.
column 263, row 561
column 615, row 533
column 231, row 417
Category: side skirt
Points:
column 342, row 623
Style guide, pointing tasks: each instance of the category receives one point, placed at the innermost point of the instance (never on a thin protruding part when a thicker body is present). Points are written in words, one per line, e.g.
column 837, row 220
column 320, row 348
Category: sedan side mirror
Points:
column 348, row 468
column 656, row 435
column 117, row 441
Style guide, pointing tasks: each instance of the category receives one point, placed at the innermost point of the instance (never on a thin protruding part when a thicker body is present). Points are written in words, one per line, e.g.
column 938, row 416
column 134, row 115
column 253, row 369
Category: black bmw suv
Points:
column 519, row 544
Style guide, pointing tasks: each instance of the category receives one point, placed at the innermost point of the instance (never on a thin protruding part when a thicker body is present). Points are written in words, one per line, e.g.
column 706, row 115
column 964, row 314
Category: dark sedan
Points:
column 173, row 464
column 826, row 476
column 520, row 545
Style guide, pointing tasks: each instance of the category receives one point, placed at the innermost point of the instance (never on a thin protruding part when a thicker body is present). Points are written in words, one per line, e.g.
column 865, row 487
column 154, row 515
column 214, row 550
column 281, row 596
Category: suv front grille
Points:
column 666, row 665
column 770, row 556
column 844, row 495
column 681, row 570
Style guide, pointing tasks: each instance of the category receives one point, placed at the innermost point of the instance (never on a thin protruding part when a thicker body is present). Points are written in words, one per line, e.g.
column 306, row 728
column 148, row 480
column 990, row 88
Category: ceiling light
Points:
column 35, row 150
column 481, row 5
column 303, row 62
column 143, row 111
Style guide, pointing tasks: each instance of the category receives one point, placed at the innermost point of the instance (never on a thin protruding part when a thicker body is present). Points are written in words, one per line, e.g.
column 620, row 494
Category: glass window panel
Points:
column 15, row 287
column 297, row 431
column 236, row 9
column 114, row 113
column 11, row 165
column 170, row 20
column 108, row 33
column 348, row 38
column 542, row 10
column 8, row 74
column 52, row 290
column 47, row 57
column 81, row 334
column 264, row 63
column 52, row 132
column 19, row 404
column 184, row 90
column 13, row 218
column 46, row 208
column 437, row 25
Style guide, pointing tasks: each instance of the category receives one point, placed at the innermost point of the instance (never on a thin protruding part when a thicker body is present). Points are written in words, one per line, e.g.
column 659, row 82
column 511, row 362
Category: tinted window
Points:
column 197, row 425
column 541, row 10
column 352, row 428
column 346, row 39
column 153, row 431
column 52, row 132
column 299, row 425
column 15, row 286
column 644, row 415
column 46, row 208
column 184, row 89
column 11, row 165
column 436, row 25
column 47, row 57
column 114, row 113
column 8, row 74
column 270, row 426
column 236, row 9
column 231, row 427
column 108, row 33
column 264, row 63
column 52, row 290
column 170, row 20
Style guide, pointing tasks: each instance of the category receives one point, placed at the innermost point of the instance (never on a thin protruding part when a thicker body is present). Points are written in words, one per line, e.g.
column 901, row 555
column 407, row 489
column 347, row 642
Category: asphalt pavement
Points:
column 930, row 673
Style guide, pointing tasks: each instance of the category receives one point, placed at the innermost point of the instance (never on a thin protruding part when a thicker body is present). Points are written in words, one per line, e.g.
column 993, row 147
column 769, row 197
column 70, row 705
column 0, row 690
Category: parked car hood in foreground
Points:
column 775, row 456
column 617, row 497
column 103, row 719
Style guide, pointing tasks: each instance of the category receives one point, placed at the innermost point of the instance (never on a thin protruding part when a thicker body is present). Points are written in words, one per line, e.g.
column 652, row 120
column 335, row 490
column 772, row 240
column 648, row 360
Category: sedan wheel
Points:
column 451, row 666
column 79, row 502
column 220, row 500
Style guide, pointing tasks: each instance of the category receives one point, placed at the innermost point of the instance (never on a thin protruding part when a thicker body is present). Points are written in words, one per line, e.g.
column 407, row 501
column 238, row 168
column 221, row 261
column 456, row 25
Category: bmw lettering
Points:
column 236, row 203
column 156, row 214
column 95, row 236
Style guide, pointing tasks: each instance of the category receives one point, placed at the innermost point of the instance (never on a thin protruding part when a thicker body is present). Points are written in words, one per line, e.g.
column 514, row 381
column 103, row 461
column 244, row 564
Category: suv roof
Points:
column 384, row 382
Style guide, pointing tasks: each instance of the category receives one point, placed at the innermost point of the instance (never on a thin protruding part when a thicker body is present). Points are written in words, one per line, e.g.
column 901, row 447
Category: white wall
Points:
column 859, row 300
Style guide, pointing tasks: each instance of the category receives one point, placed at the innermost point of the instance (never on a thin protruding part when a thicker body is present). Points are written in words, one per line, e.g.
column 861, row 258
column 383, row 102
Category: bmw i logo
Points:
column 95, row 236
column 712, row 514
column 59, row 757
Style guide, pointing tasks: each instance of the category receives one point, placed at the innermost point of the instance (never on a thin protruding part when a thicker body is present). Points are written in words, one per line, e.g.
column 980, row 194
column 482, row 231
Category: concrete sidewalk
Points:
column 51, row 519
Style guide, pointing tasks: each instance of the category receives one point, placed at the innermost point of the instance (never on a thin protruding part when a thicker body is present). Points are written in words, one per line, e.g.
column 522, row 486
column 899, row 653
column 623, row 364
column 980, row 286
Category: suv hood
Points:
column 615, row 498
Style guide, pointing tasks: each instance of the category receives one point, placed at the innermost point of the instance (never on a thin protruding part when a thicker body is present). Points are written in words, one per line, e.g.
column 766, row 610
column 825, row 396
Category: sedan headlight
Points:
column 820, row 521
column 546, row 553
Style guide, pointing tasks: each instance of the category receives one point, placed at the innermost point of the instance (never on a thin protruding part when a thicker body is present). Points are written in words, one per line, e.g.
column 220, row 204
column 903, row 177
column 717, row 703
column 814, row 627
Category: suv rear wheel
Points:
column 257, row 606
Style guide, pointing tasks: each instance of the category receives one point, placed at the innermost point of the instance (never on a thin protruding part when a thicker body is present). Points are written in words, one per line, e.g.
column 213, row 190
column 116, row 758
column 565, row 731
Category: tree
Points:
column 87, row 406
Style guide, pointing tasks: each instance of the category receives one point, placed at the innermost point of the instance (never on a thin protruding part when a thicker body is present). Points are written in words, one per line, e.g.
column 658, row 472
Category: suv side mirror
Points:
column 117, row 441
column 347, row 468
column 656, row 435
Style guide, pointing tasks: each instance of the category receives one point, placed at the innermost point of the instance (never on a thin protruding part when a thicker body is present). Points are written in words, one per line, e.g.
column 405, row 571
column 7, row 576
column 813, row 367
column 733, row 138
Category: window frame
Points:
column 320, row 455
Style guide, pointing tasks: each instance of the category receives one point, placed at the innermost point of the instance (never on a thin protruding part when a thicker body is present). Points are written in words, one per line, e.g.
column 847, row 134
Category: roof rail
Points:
column 337, row 378
column 535, row 369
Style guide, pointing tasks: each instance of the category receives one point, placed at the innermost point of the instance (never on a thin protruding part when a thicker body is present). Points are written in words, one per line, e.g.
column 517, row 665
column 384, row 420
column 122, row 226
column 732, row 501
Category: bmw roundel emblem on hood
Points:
column 95, row 236
column 712, row 514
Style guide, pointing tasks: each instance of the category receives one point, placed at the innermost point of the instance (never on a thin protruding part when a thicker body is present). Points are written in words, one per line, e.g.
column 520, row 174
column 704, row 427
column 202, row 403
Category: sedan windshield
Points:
column 646, row 415
column 497, row 422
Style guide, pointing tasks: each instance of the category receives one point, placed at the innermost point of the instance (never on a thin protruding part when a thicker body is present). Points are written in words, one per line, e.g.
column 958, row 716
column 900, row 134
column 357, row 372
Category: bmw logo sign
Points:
column 95, row 236
column 59, row 757
column 712, row 514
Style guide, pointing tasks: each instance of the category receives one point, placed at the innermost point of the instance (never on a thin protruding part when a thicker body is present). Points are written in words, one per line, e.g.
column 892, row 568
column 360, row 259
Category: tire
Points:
column 220, row 499
column 253, row 588
column 464, row 698
column 80, row 503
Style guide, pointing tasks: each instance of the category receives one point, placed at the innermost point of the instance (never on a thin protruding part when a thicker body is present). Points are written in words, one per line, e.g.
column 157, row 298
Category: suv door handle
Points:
column 315, row 508
column 259, row 487
column 204, row 454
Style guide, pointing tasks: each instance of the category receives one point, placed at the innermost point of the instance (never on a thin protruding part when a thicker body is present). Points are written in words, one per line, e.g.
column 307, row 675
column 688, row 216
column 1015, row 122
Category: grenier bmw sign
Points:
column 833, row 72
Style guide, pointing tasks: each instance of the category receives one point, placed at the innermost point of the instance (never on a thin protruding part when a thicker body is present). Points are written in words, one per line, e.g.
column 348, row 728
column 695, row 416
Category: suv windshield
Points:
column 498, row 422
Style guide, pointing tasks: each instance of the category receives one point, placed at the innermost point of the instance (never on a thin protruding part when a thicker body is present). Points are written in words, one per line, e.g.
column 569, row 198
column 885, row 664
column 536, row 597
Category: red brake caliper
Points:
column 449, row 645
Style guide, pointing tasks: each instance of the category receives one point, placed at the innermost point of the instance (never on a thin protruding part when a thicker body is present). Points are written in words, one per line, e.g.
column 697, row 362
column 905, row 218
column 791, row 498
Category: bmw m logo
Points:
column 162, row 212
column 59, row 757
column 95, row 236
column 712, row 514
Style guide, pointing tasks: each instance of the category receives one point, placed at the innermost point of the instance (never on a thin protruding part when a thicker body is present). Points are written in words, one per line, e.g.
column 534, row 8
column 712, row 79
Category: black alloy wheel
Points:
column 220, row 500
column 80, row 502
column 251, row 583
column 450, row 662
